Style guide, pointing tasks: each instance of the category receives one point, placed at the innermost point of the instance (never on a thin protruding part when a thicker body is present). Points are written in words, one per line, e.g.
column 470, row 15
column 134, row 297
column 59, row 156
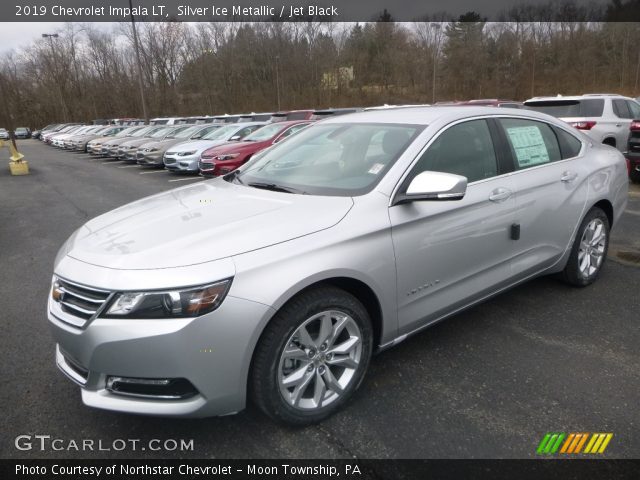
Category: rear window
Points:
column 592, row 107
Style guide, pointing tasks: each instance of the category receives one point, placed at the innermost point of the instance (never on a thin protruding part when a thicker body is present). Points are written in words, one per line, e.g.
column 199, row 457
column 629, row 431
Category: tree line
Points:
column 89, row 72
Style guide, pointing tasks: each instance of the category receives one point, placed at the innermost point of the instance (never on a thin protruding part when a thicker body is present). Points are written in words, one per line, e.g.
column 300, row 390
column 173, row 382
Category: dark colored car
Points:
column 633, row 151
column 292, row 115
column 229, row 156
column 22, row 133
column 332, row 112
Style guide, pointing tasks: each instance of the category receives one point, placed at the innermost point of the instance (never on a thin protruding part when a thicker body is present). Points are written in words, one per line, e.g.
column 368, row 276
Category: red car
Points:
column 224, row 158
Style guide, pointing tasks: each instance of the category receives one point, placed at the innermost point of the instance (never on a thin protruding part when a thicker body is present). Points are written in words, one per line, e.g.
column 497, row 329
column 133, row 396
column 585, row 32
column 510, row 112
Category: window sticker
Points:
column 529, row 146
column 376, row 168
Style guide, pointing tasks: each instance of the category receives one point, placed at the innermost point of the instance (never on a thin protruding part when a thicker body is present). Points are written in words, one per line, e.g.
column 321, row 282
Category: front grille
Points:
column 169, row 161
column 80, row 301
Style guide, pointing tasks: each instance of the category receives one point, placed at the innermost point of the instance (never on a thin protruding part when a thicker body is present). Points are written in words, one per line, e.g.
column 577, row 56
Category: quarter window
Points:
column 621, row 109
column 634, row 108
column 465, row 149
column 570, row 146
column 532, row 143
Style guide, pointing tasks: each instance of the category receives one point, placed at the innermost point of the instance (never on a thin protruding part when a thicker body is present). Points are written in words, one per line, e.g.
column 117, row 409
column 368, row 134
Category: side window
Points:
column 465, row 149
column 621, row 109
column 634, row 108
column 570, row 146
column 532, row 143
column 291, row 131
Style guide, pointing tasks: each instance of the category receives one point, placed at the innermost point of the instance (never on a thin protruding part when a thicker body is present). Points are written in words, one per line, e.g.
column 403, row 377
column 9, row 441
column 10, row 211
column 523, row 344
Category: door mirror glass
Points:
column 434, row 186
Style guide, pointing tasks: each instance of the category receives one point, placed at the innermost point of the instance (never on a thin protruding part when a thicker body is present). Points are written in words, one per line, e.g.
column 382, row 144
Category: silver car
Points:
column 278, row 281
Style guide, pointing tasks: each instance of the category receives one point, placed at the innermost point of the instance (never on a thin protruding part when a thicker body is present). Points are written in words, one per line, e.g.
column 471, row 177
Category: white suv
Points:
column 604, row 117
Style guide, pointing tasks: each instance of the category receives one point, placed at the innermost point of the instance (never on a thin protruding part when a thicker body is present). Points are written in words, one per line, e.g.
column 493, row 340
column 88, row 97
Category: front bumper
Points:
column 212, row 352
column 149, row 159
column 177, row 163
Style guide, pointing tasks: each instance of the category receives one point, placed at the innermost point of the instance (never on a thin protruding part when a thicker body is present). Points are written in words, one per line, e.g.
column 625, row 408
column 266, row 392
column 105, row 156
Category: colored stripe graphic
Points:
column 550, row 443
column 598, row 442
column 573, row 443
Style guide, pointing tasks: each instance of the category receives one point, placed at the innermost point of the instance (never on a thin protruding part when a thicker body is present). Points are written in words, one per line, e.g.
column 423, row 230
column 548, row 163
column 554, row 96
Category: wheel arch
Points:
column 607, row 207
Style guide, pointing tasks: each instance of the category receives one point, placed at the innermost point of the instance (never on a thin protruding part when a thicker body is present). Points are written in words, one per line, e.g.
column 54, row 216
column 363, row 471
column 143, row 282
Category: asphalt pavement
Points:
column 487, row 383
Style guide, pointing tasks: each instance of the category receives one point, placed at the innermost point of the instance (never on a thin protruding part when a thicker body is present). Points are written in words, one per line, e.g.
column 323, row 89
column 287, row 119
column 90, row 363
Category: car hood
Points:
column 197, row 145
column 237, row 147
column 134, row 142
column 101, row 139
column 201, row 223
column 162, row 144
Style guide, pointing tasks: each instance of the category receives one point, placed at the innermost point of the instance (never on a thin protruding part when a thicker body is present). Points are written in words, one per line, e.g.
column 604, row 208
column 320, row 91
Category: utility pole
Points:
column 436, row 50
column 136, row 46
column 63, row 105
column 278, row 79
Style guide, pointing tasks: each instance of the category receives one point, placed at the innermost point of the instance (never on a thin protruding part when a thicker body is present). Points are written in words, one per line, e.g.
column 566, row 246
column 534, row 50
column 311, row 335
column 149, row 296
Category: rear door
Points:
column 550, row 181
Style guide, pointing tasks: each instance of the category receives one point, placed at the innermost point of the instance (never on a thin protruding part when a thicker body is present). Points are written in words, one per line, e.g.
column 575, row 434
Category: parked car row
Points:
column 215, row 145
column 18, row 133
column 208, row 148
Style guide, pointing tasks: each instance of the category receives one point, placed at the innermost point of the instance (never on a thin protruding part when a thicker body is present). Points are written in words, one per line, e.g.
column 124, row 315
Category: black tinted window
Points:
column 532, row 143
column 634, row 108
column 620, row 109
column 569, row 145
column 465, row 149
column 590, row 107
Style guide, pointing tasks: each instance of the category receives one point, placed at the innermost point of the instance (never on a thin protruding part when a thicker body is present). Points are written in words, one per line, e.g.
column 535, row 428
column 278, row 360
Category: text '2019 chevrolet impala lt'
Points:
column 276, row 282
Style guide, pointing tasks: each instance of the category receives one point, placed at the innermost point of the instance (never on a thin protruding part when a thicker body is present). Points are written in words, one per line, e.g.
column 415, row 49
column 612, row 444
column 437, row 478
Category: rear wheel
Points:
column 312, row 356
column 589, row 249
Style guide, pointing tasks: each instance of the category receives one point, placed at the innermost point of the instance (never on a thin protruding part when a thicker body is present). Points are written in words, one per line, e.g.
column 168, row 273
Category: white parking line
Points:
column 185, row 179
column 129, row 166
column 153, row 171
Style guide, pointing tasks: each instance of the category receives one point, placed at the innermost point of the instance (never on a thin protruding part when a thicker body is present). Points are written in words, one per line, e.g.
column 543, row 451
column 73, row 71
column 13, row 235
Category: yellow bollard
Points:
column 17, row 165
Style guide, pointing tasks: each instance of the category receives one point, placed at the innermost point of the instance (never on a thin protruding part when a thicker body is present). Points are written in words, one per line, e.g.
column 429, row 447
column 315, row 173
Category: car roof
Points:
column 428, row 115
column 575, row 97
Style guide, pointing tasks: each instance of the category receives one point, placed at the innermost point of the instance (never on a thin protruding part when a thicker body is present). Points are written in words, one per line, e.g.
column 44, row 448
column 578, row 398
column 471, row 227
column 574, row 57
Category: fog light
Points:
column 158, row 388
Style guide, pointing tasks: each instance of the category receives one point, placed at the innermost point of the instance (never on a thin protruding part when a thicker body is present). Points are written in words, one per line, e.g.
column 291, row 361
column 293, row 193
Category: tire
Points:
column 580, row 269
column 311, row 381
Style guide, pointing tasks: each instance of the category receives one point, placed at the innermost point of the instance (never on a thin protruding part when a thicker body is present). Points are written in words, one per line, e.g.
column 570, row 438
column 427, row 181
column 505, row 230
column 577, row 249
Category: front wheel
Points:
column 589, row 249
column 312, row 356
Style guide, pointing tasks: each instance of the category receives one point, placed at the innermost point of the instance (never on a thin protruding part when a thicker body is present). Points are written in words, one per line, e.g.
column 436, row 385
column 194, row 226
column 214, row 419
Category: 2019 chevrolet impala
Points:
column 279, row 280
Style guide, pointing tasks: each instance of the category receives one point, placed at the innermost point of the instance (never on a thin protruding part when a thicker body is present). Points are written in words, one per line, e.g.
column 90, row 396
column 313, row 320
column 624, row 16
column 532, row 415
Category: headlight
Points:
column 190, row 302
column 228, row 156
column 184, row 154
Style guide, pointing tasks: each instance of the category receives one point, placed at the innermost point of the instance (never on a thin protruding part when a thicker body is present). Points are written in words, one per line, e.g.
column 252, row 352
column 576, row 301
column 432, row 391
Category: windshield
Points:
column 331, row 159
column 184, row 132
column 127, row 132
column 160, row 132
column 220, row 133
column 145, row 131
column 264, row 133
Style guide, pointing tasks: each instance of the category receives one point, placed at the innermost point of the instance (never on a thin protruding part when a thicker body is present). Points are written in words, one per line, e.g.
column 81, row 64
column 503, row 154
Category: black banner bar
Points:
column 543, row 469
column 317, row 10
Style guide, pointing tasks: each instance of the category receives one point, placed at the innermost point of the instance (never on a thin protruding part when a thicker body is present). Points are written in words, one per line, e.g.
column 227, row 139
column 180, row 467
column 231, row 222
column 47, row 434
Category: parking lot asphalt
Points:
column 486, row 383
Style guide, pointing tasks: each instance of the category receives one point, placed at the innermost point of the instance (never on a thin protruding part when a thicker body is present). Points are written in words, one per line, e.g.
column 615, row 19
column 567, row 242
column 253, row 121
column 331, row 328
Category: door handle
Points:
column 618, row 124
column 500, row 194
column 568, row 177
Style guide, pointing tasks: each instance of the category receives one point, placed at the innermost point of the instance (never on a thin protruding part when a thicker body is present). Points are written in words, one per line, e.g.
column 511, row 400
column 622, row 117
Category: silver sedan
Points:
column 278, row 281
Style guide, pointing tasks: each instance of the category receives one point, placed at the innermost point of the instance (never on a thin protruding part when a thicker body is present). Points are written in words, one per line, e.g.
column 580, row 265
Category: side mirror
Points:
column 235, row 137
column 433, row 186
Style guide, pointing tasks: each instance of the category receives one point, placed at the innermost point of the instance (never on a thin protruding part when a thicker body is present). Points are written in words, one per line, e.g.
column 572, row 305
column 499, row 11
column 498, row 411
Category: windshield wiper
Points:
column 230, row 177
column 275, row 188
